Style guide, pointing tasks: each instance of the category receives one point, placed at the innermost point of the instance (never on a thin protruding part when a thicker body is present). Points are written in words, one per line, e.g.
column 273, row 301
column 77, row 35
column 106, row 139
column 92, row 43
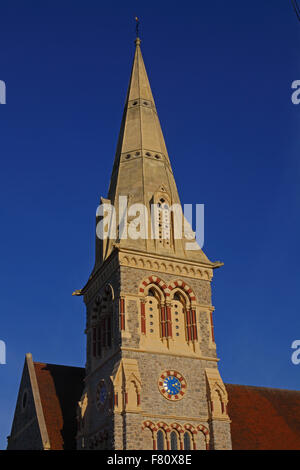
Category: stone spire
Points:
column 142, row 171
column 140, row 135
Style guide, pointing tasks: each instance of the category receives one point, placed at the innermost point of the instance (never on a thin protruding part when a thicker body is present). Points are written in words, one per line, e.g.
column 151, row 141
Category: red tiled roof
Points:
column 264, row 418
column 60, row 389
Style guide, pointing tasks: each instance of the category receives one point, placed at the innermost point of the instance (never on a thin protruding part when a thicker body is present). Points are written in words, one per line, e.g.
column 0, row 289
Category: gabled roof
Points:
column 46, row 418
column 60, row 390
column 264, row 418
column 261, row 418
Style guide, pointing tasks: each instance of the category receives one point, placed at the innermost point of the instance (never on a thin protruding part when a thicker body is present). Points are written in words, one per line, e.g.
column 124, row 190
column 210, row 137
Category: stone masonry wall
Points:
column 25, row 433
column 192, row 410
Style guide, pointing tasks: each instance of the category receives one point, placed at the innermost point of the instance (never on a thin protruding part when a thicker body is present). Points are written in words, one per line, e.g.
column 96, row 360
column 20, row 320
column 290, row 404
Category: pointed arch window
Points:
column 218, row 405
column 162, row 219
column 187, row 441
column 153, row 313
column 178, row 309
column 183, row 318
column 97, row 340
column 102, row 325
column 108, row 332
column 164, row 222
column 160, row 438
column 174, row 440
column 133, row 395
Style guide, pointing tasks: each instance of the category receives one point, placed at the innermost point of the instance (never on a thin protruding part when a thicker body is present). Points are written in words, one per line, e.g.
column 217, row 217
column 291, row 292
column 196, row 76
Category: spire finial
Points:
column 137, row 25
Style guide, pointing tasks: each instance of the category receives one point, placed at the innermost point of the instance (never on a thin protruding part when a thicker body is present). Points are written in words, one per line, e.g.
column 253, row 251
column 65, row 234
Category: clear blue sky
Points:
column 221, row 74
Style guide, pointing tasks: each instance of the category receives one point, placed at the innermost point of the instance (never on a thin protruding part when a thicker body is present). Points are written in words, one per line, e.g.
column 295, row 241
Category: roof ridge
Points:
column 57, row 365
column 263, row 387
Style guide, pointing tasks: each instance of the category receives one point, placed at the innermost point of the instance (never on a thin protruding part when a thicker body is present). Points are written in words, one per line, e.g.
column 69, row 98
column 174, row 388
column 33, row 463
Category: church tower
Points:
column 152, row 379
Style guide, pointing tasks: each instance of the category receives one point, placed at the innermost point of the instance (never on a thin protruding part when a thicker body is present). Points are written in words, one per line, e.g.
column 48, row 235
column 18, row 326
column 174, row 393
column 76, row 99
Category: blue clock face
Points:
column 172, row 385
column 102, row 394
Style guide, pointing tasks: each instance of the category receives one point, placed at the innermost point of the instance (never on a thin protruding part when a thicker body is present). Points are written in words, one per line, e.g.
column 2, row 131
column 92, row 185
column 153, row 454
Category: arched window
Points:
column 218, row 404
column 160, row 437
column 183, row 318
column 133, row 394
column 102, row 325
column 178, row 306
column 162, row 220
column 187, row 441
column 174, row 440
column 147, row 439
column 96, row 340
column 106, row 442
column 152, row 312
column 101, row 444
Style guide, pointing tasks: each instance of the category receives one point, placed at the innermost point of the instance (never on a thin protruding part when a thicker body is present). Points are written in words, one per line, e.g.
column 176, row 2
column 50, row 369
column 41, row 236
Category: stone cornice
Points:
column 166, row 353
column 146, row 261
column 203, row 419
column 165, row 264
column 99, row 277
